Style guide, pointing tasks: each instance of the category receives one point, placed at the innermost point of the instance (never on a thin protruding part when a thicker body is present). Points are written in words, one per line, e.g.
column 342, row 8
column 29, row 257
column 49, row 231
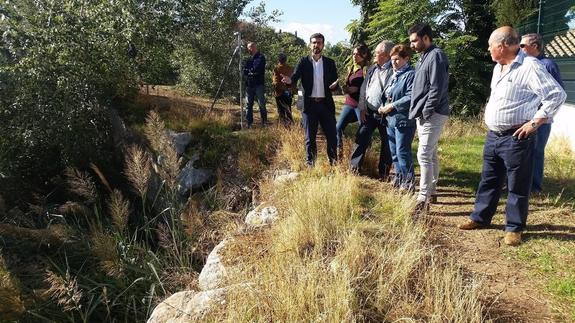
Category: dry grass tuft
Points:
column 460, row 127
column 119, row 209
column 81, row 184
column 169, row 165
column 138, row 169
column 560, row 160
column 346, row 250
column 74, row 208
column 104, row 248
column 64, row 290
column 11, row 303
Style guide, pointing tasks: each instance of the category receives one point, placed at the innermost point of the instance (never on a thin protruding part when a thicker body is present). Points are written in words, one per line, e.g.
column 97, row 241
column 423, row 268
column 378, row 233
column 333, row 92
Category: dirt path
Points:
column 512, row 293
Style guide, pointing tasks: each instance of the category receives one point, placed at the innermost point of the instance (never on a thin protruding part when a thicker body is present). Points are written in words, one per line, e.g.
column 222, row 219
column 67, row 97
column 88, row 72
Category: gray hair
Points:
column 386, row 46
column 535, row 39
column 507, row 38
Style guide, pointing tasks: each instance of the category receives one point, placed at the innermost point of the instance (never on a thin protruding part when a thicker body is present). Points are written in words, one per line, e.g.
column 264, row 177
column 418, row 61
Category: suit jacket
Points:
column 304, row 71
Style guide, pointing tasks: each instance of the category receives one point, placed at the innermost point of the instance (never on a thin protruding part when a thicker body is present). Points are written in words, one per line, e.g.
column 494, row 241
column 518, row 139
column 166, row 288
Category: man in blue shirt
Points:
column 532, row 45
column 430, row 108
column 254, row 74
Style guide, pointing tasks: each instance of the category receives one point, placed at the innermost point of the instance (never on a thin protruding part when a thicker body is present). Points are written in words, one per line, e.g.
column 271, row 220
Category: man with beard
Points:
column 318, row 76
column 430, row 107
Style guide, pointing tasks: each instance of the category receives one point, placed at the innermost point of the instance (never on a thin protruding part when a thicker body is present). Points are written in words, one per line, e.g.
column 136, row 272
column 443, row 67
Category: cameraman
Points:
column 254, row 72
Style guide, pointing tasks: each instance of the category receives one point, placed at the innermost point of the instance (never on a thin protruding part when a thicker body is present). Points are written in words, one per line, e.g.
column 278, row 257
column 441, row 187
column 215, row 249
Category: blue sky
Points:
column 309, row 16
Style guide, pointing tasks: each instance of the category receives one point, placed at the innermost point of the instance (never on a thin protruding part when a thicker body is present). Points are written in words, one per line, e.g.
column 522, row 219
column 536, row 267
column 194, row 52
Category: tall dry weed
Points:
column 64, row 290
column 347, row 250
column 138, row 169
column 81, row 184
column 460, row 128
column 119, row 209
column 104, row 247
column 168, row 162
column 11, row 303
column 560, row 160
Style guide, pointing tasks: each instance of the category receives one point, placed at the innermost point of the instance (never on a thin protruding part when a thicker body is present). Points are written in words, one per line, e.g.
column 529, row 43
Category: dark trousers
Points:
column 283, row 103
column 317, row 113
column 363, row 141
column 256, row 92
column 504, row 155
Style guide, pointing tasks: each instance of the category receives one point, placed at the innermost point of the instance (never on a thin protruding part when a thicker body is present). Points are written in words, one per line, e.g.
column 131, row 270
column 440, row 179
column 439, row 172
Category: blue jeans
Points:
column 505, row 155
column 542, row 136
column 400, row 140
column 258, row 92
column 349, row 114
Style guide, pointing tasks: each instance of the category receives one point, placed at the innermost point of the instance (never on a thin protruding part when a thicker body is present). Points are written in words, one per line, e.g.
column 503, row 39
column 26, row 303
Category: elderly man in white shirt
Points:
column 520, row 85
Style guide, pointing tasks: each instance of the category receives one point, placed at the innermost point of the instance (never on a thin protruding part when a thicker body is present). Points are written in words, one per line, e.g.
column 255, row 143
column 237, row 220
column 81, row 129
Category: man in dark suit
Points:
column 318, row 76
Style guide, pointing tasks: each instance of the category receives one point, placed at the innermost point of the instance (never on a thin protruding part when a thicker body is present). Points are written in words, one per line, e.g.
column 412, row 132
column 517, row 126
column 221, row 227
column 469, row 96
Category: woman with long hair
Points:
column 349, row 112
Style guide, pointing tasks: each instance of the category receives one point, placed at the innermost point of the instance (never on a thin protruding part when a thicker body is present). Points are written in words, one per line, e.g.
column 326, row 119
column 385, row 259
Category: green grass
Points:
column 549, row 251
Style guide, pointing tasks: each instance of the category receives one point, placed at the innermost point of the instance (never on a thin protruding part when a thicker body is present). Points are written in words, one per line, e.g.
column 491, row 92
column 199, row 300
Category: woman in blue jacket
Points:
column 400, row 129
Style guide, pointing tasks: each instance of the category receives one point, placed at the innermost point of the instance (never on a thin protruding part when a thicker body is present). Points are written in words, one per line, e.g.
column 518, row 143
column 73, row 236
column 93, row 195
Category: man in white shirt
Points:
column 318, row 76
column 523, row 96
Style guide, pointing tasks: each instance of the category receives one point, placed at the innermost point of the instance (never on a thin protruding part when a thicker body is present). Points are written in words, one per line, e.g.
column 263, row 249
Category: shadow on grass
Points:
column 460, row 178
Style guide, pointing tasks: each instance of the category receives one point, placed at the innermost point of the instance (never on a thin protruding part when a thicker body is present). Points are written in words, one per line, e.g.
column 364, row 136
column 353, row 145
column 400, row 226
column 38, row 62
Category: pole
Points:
column 539, row 18
column 241, row 81
column 236, row 50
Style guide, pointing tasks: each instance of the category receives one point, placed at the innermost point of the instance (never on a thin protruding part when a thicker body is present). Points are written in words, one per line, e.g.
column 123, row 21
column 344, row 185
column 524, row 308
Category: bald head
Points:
column 505, row 35
column 503, row 45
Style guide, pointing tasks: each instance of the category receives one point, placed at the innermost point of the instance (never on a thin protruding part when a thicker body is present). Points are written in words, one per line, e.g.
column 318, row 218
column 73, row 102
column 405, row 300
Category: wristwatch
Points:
column 534, row 125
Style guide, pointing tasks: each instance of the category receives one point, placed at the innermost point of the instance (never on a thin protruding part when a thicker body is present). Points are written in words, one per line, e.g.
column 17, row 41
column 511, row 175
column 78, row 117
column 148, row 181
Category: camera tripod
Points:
column 237, row 51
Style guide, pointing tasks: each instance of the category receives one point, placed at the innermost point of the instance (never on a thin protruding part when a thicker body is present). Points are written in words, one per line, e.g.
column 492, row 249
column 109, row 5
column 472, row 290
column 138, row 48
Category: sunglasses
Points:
column 523, row 45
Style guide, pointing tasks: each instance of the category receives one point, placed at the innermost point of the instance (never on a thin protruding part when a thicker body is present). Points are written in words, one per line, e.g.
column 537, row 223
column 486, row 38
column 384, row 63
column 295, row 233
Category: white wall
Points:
column 564, row 123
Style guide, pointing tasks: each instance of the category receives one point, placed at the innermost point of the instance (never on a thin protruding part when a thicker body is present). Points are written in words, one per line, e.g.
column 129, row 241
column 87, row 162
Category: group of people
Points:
column 400, row 100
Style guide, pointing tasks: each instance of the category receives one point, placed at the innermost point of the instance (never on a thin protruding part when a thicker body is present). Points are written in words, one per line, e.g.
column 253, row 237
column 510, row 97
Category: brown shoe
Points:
column 512, row 238
column 470, row 225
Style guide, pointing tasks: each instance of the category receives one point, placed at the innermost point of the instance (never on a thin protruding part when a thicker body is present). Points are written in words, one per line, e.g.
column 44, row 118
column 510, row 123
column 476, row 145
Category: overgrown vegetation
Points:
column 346, row 250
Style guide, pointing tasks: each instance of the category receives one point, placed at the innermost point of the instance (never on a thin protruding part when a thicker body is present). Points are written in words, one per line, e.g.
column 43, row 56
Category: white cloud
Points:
column 332, row 34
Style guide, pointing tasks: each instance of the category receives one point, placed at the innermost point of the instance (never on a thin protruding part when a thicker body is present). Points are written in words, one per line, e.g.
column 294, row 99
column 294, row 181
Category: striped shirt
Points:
column 517, row 93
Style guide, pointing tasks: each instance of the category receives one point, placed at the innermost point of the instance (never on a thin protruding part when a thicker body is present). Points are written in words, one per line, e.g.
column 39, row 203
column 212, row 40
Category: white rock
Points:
column 284, row 178
column 187, row 306
column 262, row 216
column 213, row 275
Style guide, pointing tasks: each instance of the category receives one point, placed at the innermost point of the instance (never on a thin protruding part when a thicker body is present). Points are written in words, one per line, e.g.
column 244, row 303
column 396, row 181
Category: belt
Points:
column 503, row 133
column 317, row 99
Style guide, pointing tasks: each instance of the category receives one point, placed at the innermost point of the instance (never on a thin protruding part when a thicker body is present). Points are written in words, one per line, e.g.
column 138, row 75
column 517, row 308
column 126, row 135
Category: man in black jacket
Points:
column 254, row 74
column 318, row 76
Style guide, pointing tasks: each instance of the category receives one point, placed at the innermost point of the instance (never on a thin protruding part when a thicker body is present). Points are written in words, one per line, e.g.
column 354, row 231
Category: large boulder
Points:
column 214, row 273
column 181, row 140
column 262, row 215
column 187, row 306
column 192, row 178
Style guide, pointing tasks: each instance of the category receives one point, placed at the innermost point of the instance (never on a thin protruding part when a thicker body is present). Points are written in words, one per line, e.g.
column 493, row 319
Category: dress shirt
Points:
column 318, row 90
column 517, row 93
column 553, row 69
column 377, row 83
